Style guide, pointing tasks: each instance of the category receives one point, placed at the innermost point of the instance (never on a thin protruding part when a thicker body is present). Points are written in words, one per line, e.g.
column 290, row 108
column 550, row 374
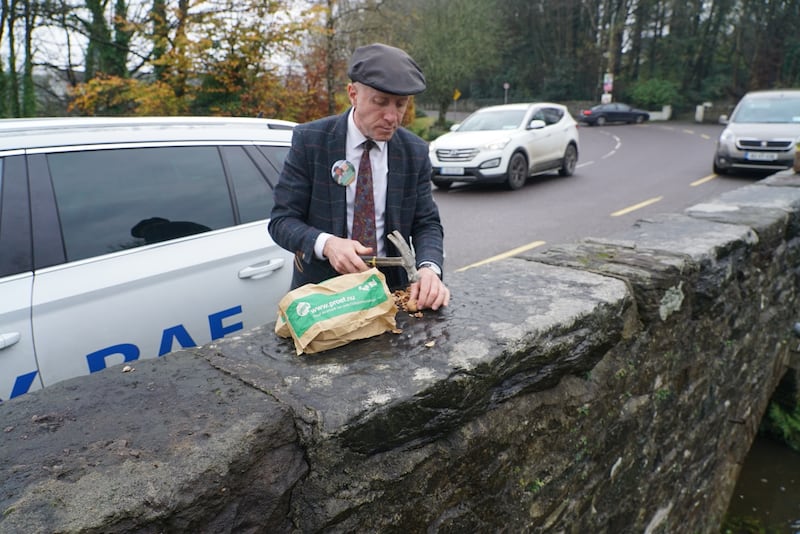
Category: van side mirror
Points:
column 723, row 119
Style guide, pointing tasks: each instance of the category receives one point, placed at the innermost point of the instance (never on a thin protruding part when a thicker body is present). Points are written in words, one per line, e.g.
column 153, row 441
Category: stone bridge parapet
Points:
column 609, row 385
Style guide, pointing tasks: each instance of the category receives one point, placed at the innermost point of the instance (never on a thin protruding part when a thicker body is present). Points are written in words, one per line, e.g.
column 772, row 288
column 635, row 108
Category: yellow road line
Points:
column 504, row 255
column 636, row 206
column 703, row 180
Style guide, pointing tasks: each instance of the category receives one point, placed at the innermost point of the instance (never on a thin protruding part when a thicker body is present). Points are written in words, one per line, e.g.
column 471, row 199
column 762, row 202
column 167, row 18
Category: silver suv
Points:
column 762, row 133
column 128, row 238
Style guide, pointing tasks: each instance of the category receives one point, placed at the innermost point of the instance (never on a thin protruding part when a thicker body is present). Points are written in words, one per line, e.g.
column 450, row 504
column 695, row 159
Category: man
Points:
column 317, row 205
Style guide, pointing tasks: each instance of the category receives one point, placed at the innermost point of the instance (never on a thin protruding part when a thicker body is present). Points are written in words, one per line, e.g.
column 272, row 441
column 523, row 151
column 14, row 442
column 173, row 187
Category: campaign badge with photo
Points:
column 343, row 172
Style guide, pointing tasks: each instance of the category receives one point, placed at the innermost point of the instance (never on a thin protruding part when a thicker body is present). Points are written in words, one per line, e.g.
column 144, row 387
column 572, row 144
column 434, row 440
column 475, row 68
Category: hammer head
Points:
column 406, row 255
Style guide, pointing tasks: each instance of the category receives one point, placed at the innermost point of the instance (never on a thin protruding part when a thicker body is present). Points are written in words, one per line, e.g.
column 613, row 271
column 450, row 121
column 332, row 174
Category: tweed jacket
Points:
column 308, row 201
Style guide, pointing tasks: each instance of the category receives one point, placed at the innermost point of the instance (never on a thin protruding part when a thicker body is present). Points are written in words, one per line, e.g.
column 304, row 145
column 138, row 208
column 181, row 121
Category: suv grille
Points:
column 759, row 144
column 456, row 154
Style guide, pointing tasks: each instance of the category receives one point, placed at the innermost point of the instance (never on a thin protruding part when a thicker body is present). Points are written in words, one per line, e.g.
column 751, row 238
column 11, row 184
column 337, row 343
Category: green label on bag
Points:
column 304, row 312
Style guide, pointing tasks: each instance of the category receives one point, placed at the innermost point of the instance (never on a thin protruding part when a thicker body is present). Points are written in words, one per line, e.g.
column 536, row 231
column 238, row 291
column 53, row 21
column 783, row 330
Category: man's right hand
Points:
column 344, row 255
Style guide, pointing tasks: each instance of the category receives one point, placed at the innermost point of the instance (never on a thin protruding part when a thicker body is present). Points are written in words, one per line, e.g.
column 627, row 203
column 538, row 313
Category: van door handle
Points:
column 6, row 340
column 260, row 270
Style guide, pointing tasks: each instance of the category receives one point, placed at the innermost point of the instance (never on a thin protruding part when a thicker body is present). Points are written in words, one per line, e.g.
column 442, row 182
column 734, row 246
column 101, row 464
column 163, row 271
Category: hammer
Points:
column 406, row 260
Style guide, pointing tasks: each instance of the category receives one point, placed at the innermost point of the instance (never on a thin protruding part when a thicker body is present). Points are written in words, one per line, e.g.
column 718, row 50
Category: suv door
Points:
column 18, row 370
column 545, row 142
column 157, row 248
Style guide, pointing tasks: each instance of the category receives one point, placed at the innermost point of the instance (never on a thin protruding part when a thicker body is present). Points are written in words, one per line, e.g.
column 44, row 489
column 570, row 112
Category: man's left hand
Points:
column 429, row 291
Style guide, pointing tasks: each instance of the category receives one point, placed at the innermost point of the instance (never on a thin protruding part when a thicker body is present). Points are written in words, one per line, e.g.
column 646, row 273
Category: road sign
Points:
column 608, row 82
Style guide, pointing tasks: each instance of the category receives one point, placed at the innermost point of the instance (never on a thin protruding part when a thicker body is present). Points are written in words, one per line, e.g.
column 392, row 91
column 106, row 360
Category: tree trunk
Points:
column 158, row 16
column 4, row 85
column 441, row 121
column 119, row 49
column 28, row 90
column 13, row 79
column 330, row 57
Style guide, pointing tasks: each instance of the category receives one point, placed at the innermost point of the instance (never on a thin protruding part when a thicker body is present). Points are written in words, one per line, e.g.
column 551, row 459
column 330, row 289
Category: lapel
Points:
column 395, row 156
column 336, row 150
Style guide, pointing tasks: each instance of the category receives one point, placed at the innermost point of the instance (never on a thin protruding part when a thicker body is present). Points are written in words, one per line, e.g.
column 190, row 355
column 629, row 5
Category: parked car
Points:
column 128, row 238
column 614, row 112
column 761, row 134
column 506, row 144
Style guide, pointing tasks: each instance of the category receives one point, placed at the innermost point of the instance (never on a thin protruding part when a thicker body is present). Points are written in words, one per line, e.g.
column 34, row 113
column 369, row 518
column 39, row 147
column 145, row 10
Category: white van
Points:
column 128, row 238
column 761, row 134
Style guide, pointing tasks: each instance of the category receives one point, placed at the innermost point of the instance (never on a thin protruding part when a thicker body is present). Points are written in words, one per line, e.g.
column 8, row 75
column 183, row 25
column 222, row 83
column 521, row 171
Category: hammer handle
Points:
column 379, row 261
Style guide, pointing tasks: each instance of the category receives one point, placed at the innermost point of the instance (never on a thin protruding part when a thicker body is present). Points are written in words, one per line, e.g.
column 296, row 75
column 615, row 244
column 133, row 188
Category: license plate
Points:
column 452, row 171
column 760, row 156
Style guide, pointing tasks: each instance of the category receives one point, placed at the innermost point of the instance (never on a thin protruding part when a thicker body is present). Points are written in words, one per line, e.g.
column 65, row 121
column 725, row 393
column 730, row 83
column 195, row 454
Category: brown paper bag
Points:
column 337, row 311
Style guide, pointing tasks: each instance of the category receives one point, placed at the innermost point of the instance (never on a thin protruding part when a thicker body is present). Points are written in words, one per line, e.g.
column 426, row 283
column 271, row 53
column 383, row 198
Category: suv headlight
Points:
column 498, row 144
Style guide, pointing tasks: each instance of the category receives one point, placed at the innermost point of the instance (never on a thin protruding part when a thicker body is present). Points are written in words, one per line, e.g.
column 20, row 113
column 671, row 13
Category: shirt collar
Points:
column 354, row 136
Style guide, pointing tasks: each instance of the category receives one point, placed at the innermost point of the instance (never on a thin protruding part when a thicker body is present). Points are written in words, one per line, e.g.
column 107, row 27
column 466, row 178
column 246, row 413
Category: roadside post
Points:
column 608, row 88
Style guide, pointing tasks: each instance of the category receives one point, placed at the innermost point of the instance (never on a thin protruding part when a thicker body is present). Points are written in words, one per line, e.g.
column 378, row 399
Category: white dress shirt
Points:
column 380, row 170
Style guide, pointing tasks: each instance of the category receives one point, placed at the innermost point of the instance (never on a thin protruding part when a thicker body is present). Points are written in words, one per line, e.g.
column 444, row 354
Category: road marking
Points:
column 705, row 136
column 636, row 206
column 503, row 256
column 703, row 180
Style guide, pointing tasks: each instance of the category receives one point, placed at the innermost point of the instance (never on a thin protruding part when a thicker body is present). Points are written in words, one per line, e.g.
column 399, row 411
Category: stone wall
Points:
column 609, row 385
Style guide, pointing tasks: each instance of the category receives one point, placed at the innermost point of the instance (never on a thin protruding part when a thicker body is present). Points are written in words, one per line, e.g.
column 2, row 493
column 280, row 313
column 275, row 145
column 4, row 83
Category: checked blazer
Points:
column 308, row 201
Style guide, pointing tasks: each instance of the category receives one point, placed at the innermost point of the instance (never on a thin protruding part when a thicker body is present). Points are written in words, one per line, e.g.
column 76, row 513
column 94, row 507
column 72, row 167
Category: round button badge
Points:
column 343, row 172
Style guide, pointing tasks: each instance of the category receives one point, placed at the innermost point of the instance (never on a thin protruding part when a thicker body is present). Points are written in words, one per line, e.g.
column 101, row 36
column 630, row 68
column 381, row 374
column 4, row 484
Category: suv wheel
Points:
column 569, row 161
column 517, row 173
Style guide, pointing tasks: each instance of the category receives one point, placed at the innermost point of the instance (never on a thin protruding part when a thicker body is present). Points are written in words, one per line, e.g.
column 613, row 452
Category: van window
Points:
column 253, row 193
column 15, row 217
column 276, row 156
column 111, row 200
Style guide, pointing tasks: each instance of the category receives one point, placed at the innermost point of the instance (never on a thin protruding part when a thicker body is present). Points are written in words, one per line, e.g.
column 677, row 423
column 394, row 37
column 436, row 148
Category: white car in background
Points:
column 129, row 238
column 762, row 133
column 507, row 144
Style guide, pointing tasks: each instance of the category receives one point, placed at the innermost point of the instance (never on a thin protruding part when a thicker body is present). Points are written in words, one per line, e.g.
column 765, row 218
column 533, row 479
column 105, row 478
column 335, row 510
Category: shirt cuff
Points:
column 432, row 266
column 319, row 245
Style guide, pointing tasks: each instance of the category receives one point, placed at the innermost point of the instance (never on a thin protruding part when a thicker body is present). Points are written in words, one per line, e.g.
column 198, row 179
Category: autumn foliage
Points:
column 239, row 63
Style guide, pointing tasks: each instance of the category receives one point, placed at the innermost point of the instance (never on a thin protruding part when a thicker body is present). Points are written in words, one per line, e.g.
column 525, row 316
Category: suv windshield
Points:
column 772, row 110
column 507, row 119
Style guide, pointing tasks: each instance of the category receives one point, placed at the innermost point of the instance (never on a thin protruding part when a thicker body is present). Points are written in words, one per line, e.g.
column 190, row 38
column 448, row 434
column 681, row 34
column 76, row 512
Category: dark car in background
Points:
column 614, row 112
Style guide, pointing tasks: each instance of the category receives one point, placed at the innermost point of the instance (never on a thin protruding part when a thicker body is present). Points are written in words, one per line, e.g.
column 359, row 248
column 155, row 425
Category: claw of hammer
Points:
column 406, row 260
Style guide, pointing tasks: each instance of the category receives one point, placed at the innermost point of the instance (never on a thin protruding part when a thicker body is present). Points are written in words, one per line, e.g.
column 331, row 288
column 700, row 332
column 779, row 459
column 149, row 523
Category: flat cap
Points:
column 386, row 69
